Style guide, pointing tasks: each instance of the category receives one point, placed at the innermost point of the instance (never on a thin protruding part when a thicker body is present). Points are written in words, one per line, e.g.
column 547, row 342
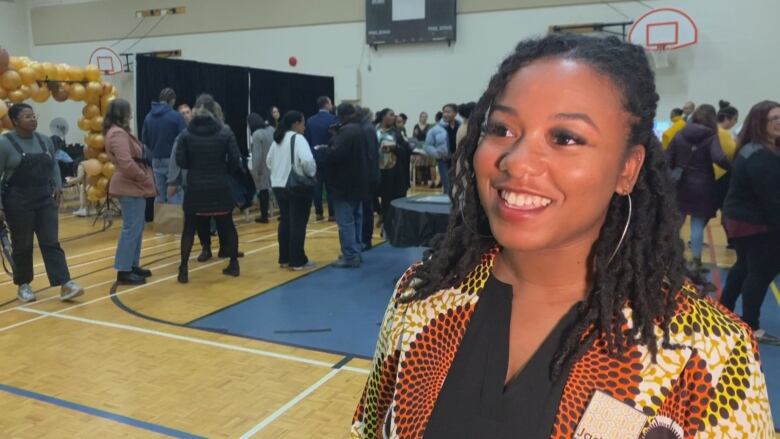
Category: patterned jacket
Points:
column 712, row 387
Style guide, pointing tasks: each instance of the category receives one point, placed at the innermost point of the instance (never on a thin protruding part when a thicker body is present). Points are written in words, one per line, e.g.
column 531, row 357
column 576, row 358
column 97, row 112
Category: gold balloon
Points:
column 90, row 153
column 50, row 70
column 62, row 72
column 3, row 109
column 17, row 62
column 6, row 123
column 102, row 158
column 5, row 60
column 95, row 87
column 77, row 92
column 10, row 80
column 96, row 124
column 27, row 74
column 42, row 95
column 98, row 142
column 93, row 167
column 75, row 73
column 93, row 194
column 40, row 72
column 102, row 184
column 92, row 73
column 91, row 111
column 108, row 88
column 3, row 93
column 29, row 90
column 93, row 179
column 85, row 124
column 108, row 169
column 17, row 96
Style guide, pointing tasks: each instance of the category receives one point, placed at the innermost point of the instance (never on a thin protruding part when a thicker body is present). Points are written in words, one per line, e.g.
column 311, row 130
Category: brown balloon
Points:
column 5, row 60
column 103, row 158
column 61, row 94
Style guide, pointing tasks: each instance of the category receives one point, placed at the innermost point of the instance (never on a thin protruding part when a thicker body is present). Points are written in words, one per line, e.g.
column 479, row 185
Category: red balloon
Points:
column 293, row 61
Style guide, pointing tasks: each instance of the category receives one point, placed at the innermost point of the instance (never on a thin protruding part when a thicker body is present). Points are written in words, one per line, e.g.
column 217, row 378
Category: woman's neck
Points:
column 550, row 276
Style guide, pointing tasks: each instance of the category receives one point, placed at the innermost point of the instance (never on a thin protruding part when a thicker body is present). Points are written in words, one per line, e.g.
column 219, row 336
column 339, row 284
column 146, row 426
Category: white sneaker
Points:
column 25, row 294
column 81, row 212
column 763, row 337
column 70, row 290
column 307, row 266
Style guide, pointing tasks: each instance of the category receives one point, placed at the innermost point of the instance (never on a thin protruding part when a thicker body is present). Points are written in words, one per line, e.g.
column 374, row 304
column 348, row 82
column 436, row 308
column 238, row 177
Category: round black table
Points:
column 414, row 221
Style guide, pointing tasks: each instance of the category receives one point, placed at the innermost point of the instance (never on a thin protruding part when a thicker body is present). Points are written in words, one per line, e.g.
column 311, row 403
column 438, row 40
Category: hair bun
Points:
column 724, row 104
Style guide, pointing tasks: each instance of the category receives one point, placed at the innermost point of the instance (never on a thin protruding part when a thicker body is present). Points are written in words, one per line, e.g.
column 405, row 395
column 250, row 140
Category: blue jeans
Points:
column 697, row 235
column 160, row 169
column 128, row 250
column 349, row 217
column 444, row 174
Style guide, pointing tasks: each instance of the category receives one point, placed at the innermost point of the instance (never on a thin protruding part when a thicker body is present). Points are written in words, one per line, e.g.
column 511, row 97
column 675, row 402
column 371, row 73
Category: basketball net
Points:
column 660, row 56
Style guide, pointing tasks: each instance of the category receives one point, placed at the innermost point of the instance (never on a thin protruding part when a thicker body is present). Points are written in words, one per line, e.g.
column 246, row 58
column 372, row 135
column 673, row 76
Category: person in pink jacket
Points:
column 131, row 184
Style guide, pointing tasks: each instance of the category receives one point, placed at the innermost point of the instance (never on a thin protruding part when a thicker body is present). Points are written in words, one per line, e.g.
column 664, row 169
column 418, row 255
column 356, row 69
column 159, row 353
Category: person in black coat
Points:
column 347, row 182
column 752, row 215
column 370, row 203
column 207, row 149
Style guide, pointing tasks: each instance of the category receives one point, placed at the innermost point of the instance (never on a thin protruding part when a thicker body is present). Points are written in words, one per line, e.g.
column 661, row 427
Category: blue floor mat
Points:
column 333, row 310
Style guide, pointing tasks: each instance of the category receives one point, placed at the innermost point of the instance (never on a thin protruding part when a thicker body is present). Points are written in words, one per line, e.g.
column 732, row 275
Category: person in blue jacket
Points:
column 161, row 128
column 318, row 133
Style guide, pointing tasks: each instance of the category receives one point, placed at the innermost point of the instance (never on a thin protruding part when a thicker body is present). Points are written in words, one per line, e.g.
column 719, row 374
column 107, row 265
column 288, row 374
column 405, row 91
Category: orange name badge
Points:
column 608, row 418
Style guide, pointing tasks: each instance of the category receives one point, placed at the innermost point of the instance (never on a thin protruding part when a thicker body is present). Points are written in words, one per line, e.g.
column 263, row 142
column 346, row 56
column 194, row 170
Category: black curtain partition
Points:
column 230, row 86
column 287, row 91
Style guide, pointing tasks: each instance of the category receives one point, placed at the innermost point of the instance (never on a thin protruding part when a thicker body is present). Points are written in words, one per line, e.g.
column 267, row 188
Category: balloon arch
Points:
column 22, row 78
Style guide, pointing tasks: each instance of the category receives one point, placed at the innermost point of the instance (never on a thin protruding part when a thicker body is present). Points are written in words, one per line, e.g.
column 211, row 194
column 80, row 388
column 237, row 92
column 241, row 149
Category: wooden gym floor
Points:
column 89, row 369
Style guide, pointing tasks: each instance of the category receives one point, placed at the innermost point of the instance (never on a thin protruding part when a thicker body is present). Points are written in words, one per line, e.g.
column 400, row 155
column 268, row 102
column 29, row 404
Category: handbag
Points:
column 168, row 218
column 297, row 184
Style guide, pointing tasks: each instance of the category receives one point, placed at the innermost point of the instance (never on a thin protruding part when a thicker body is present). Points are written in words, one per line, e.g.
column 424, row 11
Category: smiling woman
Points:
column 556, row 295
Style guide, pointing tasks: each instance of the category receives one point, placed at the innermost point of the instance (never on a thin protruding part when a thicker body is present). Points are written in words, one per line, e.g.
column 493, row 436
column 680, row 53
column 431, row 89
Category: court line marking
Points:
column 290, row 404
column 157, row 281
column 186, row 338
column 167, row 264
column 155, row 428
column 776, row 291
column 151, row 238
column 84, row 264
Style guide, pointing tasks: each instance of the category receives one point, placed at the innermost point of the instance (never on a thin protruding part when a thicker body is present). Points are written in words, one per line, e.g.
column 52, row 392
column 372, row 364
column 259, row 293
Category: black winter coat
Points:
column 207, row 149
column 372, row 149
column 754, row 194
column 347, row 162
column 695, row 148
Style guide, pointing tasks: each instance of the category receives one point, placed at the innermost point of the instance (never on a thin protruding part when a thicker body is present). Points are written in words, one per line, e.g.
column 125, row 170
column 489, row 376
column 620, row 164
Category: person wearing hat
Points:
column 348, row 182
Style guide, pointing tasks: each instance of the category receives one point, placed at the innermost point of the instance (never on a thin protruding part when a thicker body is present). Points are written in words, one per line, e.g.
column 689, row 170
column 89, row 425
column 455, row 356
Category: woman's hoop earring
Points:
column 625, row 229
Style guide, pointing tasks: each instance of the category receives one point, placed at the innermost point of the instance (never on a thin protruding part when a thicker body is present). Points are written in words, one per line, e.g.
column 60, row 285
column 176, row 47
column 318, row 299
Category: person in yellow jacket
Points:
column 727, row 119
column 678, row 123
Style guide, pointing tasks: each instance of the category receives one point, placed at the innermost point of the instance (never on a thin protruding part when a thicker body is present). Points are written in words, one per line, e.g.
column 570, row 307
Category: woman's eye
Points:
column 565, row 138
column 498, row 130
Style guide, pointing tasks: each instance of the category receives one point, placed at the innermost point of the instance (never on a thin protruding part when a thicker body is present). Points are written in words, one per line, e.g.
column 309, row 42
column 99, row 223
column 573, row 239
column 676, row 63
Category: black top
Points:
column 347, row 163
column 474, row 402
column 753, row 196
column 207, row 150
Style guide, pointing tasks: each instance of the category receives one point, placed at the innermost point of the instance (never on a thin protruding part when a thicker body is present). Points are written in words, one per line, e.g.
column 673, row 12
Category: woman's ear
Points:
column 632, row 164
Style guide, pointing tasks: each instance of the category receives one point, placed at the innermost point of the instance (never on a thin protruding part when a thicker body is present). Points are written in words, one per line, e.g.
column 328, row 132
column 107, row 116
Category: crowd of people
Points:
column 714, row 170
column 356, row 163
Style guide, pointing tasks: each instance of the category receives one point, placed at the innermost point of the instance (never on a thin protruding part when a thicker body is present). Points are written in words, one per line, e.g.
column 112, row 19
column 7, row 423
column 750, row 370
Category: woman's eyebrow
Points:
column 575, row 116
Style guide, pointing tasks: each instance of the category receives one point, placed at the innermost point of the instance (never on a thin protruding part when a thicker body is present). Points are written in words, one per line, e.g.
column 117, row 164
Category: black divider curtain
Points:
column 230, row 87
column 228, row 84
column 287, row 91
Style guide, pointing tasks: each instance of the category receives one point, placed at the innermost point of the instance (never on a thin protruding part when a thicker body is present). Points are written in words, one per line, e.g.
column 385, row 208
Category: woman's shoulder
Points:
column 701, row 323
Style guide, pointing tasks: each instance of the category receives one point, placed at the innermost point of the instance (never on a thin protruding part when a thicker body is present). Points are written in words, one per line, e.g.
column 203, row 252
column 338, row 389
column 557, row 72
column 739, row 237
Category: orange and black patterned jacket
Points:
column 712, row 387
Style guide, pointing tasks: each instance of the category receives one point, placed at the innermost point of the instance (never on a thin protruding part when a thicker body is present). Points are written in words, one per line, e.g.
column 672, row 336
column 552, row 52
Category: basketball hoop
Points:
column 662, row 30
column 108, row 62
